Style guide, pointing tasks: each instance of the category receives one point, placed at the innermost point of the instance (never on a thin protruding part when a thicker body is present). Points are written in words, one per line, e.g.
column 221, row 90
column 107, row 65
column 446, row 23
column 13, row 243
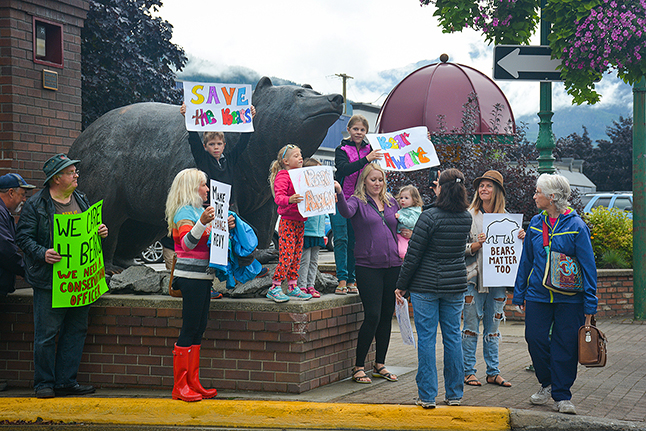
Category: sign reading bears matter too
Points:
column 316, row 185
column 218, row 107
column 79, row 278
column 502, row 249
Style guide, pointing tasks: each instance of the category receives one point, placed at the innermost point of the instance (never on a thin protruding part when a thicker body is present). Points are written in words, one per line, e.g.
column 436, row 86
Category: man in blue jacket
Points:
column 55, row 369
column 13, row 190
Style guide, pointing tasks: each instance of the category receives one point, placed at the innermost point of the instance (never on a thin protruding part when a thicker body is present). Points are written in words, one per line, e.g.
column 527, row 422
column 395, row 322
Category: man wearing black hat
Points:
column 55, row 369
column 13, row 190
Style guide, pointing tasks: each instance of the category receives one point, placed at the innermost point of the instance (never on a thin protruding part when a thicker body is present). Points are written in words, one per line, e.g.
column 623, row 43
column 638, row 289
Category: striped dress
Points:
column 192, row 253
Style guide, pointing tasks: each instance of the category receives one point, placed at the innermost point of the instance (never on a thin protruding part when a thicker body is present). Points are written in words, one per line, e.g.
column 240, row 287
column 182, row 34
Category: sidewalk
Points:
column 602, row 396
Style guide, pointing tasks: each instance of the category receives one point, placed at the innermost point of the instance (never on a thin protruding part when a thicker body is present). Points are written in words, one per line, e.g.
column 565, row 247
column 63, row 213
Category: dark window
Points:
column 48, row 43
column 602, row 202
column 622, row 203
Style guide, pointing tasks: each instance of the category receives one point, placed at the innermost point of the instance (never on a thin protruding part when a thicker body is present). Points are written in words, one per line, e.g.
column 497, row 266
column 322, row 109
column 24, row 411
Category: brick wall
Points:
column 614, row 290
column 36, row 123
column 249, row 344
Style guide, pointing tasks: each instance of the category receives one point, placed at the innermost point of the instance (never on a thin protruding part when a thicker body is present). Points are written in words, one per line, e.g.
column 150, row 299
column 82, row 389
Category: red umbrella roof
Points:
column 443, row 89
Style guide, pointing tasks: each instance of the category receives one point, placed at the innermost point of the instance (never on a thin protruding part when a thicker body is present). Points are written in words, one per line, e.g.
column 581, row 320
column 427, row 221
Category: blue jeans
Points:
column 343, row 247
column 488, row 307
column 429, row 309
column 57, row 367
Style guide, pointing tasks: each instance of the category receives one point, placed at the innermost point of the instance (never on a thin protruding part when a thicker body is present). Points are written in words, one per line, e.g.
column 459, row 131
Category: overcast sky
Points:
column 309, row 41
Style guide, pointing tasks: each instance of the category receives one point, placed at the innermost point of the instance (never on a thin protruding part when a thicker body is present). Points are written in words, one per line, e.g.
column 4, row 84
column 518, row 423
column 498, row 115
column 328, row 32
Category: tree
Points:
column 575, row 146
column 127, row 57
column 591, row 37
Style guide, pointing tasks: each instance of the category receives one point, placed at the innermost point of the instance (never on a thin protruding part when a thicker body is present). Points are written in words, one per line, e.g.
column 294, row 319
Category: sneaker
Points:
column 315, row 293
column 45, row 393
column 215, row 294
column 543, row 395
column 453, row 402
column 425, row 404
column 298, row 294
column 75, row 390
column 565, row 406
column 276, row 293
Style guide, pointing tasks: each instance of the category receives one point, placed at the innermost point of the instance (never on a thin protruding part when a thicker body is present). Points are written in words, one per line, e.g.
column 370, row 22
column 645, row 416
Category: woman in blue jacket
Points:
column 557, row 228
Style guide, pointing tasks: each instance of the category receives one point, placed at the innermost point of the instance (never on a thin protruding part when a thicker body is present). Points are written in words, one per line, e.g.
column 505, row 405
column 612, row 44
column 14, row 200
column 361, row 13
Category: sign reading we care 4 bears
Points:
column 218, row 107
column 405, row 150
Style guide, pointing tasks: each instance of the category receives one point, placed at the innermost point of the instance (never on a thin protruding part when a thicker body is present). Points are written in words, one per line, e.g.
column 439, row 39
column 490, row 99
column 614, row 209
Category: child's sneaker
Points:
column 315, row 293
column 276, row 293
column 297, row 293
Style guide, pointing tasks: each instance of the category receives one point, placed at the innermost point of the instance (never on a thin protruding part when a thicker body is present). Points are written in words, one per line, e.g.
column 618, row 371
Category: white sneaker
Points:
column 453, row 402
column 425, row 404
column 543, row 395
column 565, row 406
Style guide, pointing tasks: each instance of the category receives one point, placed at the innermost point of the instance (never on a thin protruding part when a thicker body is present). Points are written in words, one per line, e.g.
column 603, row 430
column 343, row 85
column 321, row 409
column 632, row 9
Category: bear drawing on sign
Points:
column 131, row 155
column 504, row 228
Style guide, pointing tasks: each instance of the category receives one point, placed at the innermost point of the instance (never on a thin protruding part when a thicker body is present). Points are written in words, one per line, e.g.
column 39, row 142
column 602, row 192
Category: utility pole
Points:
column 545, row 140
column 639, row 199
column 345, row 96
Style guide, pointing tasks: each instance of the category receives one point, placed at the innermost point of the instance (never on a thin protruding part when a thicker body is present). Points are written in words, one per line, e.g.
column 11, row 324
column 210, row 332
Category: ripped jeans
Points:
column 488, row 307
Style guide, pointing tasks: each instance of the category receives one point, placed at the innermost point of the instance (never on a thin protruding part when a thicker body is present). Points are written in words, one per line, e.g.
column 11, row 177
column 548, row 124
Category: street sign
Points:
column 524, row 62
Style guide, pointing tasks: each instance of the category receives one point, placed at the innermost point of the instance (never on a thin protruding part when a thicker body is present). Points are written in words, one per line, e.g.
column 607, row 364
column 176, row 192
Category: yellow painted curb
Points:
column 252, row 414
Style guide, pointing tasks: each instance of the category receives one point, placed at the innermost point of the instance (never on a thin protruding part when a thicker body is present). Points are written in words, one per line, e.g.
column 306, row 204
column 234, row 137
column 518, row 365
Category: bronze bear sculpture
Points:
column 130, row 156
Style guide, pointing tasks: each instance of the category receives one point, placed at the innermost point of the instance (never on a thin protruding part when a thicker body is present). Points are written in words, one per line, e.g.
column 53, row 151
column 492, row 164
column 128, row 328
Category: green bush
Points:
column 612, row 236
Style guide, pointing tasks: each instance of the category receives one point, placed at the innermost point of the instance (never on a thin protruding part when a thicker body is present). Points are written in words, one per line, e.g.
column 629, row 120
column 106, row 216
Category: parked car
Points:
column 620, row 200
column 154, row 253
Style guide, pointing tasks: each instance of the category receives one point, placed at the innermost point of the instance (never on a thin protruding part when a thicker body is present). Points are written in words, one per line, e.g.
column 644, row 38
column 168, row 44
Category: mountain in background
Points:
column 566, row 120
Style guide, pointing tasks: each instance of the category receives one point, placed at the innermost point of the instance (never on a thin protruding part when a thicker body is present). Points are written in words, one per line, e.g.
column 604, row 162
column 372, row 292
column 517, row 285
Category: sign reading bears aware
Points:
column 220, row 195
column 316, row 185
column 405, row 150
column 218, row 107
column 79, row 278
column 502, row 249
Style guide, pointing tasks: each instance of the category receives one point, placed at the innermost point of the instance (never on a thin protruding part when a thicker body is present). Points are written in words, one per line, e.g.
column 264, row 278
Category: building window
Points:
column 48, row 43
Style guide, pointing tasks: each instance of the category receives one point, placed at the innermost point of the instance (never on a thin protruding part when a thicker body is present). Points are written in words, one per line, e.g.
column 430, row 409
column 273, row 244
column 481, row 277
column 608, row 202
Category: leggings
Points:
column 290, row 248
column 377, row 290
column 196, row 298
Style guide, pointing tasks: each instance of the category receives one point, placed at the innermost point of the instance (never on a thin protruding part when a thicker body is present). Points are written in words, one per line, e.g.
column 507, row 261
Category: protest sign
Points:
column 502, row 249
column 220, row 195
column 79, row 278
column 218, row 107
column 405, row 150
column 316, row 185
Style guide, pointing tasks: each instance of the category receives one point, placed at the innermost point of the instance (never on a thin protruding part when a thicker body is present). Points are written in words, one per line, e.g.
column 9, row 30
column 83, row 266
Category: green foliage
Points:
column 612, row 259
column 611, row 230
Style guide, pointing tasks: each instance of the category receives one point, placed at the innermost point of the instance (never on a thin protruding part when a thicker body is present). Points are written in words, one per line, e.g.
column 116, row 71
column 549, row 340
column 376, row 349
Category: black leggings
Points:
column 196, row 298
column 377, row 290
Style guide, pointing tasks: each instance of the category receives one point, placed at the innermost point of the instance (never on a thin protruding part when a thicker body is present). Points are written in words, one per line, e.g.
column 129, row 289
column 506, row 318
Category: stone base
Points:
column 249, row 344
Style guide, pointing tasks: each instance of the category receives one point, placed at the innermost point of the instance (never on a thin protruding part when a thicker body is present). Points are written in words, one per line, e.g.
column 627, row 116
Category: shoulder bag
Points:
column 562, row 272
column 592, row 344
column 176, row 293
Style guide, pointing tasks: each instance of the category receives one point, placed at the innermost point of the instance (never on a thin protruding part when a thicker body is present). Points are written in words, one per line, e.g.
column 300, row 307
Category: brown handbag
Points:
column 592, row 344
column 177, row 293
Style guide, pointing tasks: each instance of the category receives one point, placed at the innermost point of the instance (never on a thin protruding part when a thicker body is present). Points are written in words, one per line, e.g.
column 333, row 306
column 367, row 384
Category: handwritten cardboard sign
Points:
column 79, row 278
column 220, row 195
column 405, row 150
column 316, row 185
column 502, row 249
column 218, row 107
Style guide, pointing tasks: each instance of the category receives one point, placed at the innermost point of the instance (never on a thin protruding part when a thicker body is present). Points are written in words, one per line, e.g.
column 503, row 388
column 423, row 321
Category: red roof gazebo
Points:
column 442, row 89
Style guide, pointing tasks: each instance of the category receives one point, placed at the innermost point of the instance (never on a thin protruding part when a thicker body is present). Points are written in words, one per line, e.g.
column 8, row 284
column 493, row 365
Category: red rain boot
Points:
column 181, row 391
column 194, row 374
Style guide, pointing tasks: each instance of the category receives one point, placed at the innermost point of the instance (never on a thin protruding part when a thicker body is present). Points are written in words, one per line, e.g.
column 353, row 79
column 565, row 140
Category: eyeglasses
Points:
column 287, row 147
column 72, row 173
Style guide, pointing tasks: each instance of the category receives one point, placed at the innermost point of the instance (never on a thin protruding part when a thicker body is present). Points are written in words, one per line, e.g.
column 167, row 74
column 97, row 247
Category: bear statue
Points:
column 130, row 156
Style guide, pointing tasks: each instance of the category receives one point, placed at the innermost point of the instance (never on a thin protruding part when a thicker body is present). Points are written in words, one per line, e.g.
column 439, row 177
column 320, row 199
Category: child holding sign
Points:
column 291, row 227
column 410, row 202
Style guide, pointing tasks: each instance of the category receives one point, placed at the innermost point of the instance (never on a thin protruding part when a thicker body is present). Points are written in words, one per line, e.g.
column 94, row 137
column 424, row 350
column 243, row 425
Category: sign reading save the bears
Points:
column 405, row 150
column 502, row 249
column 218, row 107
column 79, row 278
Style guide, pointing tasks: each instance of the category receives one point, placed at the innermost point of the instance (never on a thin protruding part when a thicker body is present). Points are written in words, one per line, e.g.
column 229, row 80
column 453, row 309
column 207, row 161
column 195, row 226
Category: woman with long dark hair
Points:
column 434, row 272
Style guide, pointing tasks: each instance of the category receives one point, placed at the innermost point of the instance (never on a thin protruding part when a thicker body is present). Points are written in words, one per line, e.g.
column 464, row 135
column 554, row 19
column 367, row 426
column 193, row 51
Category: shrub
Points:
column 611, row 230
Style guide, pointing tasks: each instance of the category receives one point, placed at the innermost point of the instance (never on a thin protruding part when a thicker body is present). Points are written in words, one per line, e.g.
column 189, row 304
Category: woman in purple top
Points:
column 372, row 213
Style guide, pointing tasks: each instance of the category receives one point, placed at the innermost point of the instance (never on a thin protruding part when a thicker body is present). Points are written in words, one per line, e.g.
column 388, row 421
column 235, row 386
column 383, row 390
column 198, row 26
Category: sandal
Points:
column 498, row 380
column 341, row 290
column 377, row 372
column 352, row 288
column 472, row 380
column 361, row 379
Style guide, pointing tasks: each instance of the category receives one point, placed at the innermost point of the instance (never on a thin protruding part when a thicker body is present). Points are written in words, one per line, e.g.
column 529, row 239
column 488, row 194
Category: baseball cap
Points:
column 11, row 181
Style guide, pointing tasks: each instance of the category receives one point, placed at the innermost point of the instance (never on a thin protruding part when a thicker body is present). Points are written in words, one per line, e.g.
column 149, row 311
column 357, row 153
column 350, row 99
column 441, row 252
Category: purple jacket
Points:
column 375, row 244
